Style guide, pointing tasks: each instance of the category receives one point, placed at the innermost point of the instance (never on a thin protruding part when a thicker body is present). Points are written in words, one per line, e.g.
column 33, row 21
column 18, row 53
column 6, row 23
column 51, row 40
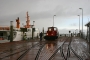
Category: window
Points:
column 29, row 30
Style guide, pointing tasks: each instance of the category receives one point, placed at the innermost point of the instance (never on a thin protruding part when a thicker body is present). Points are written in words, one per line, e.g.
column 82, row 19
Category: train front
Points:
column 51, row 33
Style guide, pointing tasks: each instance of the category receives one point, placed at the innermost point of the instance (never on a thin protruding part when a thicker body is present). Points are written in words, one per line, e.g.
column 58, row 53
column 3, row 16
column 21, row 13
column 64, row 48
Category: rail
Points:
column 9, row 50
column 6, row 51
column 17, row 52
column 75, row 53
column 60, row 48
column 26, row 52
column 37, row 56
column 12, row 54
column 68, row 50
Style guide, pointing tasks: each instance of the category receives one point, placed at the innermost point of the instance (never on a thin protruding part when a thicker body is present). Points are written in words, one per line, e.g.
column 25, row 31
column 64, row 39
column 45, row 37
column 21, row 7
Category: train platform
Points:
column 80, row 46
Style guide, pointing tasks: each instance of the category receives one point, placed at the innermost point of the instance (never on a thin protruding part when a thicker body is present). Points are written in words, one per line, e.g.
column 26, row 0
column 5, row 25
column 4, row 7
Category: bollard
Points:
column 11, row 31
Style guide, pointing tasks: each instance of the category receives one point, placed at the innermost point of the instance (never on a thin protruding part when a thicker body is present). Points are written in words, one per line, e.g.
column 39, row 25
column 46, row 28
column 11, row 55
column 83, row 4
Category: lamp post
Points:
column 82, row 20
column 33, row 23
column 53, row 20
column 33, row 29
column 76, row 32
column 79, row 25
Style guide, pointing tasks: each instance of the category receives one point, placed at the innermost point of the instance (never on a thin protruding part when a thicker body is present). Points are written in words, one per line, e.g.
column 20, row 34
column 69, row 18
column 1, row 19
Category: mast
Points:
column 18, row 23
column 28, row 21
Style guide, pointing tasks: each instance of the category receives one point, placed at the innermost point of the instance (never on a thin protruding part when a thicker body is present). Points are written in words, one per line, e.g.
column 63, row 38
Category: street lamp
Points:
column 76, row 32
column 82, row 20
column 53, row 20
column 79, row 24
column 33, row 29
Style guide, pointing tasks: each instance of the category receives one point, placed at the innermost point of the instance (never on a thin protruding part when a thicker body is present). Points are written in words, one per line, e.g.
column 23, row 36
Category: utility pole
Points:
column 82, row 21
column 79, row 25
column 53, row 20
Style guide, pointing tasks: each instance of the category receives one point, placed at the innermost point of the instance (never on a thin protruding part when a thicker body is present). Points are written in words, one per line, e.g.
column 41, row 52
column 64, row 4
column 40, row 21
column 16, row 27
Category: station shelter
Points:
column 88, row 34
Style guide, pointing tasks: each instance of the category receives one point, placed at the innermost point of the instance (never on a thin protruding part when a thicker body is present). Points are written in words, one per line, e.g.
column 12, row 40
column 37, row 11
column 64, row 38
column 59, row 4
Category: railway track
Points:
column 65, row 55
column 46, row 50
column 38, row 49
column 60, row 48
column 14, row 47
column 17, row 51
column 42, row 51
column 49, row 49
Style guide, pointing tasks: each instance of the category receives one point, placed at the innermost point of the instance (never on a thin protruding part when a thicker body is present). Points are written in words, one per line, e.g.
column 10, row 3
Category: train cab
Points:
column 51, row 34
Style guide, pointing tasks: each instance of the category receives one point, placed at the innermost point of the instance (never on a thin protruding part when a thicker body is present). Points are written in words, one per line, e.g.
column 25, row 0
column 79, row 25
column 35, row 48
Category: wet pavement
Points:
column 4, row 41
column 81, row 48
column 78, row 45
column 12, row 50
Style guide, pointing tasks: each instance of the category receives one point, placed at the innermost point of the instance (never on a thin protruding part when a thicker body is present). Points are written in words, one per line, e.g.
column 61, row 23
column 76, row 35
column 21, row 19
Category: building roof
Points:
column 87, row 24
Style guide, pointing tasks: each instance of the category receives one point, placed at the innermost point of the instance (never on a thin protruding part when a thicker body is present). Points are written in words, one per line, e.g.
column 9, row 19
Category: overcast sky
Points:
column 42, row 11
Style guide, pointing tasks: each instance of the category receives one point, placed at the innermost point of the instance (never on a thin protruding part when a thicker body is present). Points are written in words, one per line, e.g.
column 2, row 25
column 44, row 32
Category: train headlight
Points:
column 47, row 34
column 49, row 29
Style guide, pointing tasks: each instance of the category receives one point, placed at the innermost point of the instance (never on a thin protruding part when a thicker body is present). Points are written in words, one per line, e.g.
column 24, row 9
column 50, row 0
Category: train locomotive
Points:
column 52, row 33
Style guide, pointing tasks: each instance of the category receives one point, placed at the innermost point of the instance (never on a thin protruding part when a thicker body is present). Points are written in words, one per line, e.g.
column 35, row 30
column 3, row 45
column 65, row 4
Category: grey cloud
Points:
column 5, row 20
column 41, row 9
column 44, row 15
column 59, row 7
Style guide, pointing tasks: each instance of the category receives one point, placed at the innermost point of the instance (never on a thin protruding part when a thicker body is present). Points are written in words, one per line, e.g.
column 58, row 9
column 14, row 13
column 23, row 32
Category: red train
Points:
column 52, row 33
